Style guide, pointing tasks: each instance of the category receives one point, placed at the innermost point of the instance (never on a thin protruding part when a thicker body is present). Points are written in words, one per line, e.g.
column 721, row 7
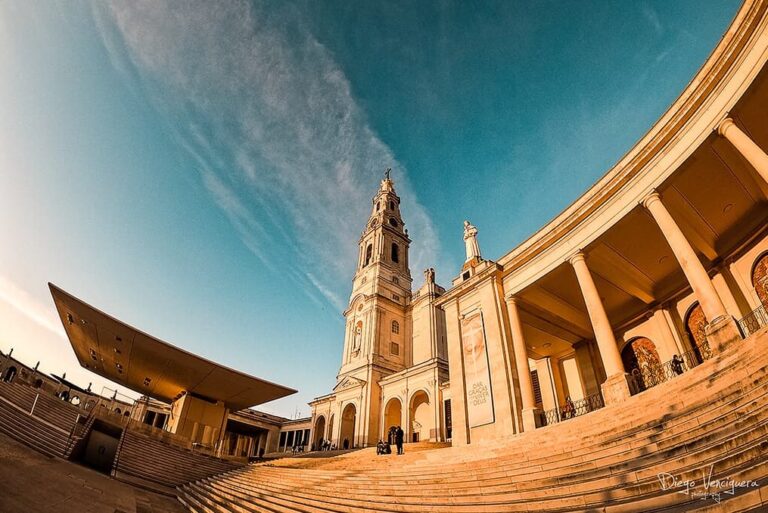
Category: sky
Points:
column 203, row 170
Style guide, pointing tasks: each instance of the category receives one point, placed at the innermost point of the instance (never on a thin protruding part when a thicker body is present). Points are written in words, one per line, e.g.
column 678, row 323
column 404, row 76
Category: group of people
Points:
column 324, row 445
column 396, row 435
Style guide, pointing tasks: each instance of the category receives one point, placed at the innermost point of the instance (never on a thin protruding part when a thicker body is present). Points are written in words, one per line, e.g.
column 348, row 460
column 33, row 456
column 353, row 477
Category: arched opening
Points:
column 117, row 410
column 368, row 254
column 10, row 373
column 395, row 327
column 395, row 253
column 422, row 417
column 347, row 435
column 695, row 325
column 760, row 278
column 75, row 400
column 641, row 359
column 391, row 205
column 393, row 417
column 38, row 383
column 319, row 432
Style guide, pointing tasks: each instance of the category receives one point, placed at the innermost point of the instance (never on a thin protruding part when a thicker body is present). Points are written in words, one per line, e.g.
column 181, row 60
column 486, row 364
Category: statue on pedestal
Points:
column 470, row 241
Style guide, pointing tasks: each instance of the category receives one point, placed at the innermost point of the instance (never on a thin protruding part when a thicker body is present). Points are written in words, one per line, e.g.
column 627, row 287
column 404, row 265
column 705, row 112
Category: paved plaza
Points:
column 64, row 487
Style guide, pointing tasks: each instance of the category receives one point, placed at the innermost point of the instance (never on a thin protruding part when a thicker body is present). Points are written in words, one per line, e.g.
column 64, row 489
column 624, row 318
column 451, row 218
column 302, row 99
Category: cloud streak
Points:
column 28, row 306
column 269, row 117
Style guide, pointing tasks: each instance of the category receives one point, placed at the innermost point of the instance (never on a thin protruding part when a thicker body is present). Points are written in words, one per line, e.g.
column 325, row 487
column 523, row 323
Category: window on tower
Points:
column 395, row 327
column 393, row 221
column 368, row 254
column 391, row 205
column 395, row 253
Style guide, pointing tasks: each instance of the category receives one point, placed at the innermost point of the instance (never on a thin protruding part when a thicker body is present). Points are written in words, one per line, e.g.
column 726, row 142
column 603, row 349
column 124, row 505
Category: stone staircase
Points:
column 711, row 421
column 36, row 419
column 147, row 460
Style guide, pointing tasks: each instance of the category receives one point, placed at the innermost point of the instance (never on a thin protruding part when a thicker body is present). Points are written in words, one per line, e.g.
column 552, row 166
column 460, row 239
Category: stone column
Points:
column 722, row 328
column 530, row 413
column 751, row 152
column 616, row 387
column 670, row 346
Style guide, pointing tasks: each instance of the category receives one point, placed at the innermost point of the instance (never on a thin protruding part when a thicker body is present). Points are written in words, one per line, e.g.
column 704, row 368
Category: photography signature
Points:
column 711, row 488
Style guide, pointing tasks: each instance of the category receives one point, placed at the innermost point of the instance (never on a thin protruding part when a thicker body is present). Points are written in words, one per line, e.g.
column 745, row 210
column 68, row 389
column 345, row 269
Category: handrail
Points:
column 572, row 409
column 651, row 375
column 753, row 321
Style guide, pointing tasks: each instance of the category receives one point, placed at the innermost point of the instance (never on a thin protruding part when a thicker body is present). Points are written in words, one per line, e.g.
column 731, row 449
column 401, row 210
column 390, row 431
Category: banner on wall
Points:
column 477, row 375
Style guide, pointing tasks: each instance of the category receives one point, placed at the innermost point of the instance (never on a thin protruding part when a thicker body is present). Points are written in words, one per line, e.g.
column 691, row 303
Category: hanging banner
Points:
column 477, row 375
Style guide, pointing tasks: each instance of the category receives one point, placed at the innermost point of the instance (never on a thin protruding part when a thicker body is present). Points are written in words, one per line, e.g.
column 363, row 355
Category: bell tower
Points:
column 381, row 286
column 378, row 323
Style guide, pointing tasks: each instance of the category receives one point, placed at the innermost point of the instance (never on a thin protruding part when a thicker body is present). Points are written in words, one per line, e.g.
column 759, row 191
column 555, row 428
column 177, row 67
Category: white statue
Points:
column 470, row 241
column 358, row 338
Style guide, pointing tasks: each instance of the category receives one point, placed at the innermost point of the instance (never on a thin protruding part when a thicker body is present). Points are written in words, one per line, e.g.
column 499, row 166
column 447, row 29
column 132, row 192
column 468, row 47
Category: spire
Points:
column 387, row 185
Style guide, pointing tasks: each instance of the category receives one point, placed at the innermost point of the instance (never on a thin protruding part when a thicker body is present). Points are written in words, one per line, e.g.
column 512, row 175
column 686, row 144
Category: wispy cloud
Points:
column 652, row 17
column 31, row 308
column 281, row 144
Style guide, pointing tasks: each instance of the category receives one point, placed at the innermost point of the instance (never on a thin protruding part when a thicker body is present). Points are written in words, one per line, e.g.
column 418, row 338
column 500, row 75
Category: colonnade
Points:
column 721, row 330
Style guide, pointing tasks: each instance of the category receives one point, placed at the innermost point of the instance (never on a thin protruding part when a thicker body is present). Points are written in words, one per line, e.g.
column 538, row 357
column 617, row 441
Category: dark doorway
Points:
column 101, row 448
column 10, row 373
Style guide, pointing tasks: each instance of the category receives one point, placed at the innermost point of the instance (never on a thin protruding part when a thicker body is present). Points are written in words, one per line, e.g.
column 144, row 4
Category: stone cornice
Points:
column 490, row 272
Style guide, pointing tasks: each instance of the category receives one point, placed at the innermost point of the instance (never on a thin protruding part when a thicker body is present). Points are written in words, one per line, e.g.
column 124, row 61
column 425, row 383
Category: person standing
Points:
column 677, row 364
column 399, row 439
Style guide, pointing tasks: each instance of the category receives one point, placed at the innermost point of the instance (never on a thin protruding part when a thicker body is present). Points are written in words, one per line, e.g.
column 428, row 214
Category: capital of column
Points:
column 511, row 299
column 652, row 197
column 576, row 257
column 724, row 125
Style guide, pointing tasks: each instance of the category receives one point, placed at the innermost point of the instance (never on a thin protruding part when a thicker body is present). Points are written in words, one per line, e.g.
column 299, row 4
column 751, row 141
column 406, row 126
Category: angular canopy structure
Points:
column 136, row 360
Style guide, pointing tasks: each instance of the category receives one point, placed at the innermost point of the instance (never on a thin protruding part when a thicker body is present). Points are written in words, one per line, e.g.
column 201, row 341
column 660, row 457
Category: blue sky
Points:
column 203, row 170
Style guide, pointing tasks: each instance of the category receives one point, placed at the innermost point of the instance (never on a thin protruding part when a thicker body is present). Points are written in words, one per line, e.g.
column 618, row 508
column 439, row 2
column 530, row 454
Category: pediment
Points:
column 348, row 382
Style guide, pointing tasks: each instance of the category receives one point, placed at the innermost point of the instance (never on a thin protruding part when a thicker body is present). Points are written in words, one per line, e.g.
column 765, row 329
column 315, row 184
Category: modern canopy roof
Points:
column 138, row 361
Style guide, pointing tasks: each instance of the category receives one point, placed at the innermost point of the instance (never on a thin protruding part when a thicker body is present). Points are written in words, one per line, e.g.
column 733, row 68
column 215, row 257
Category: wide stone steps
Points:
column 49, row 408
column 31, row 431
column 660, row 437
column 158, row 462
column 579, row 483
column 573, row 477
column 712, row 420
column 227, row 497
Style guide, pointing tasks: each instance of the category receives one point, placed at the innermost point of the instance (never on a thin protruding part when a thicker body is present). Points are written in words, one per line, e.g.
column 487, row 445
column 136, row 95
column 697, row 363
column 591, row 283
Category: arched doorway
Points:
column 695, row 326
column 760, row 278
column 319, row 431
column 393, row 417
column 422, row 417
column 347, row 435
column 10, row 373
column 641, row 359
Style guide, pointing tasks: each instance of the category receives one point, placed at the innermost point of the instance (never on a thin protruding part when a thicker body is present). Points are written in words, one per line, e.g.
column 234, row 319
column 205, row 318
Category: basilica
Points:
column 394, row 368
column 660, row 266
